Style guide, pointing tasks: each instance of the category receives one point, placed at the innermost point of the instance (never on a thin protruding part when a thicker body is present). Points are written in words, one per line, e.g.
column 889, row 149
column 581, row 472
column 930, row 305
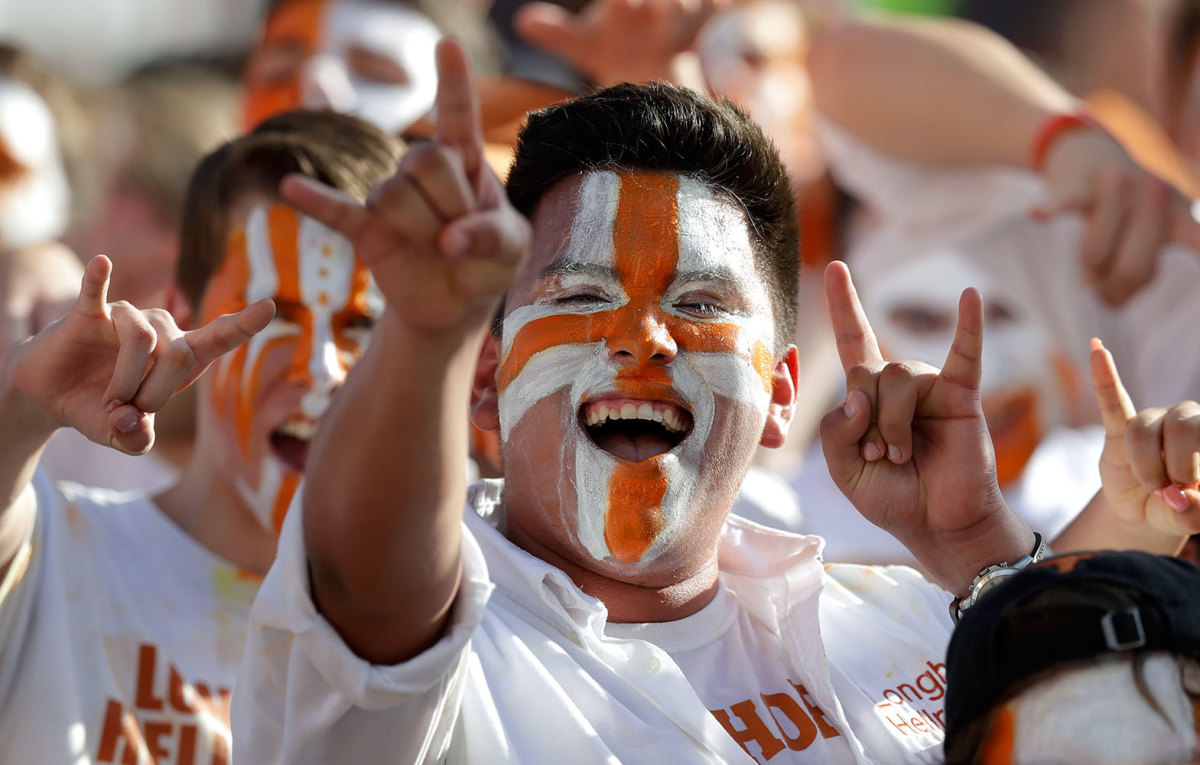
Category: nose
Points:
column 318, row 367
column 325, row 84
column 642, row 337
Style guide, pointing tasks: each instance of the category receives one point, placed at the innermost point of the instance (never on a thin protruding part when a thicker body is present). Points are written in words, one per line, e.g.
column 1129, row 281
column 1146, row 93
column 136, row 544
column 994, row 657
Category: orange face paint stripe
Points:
column 10, row 169
column 294, row 25
column 998, row 747
column 646, row 256
column 283, row 226
column 283, row 500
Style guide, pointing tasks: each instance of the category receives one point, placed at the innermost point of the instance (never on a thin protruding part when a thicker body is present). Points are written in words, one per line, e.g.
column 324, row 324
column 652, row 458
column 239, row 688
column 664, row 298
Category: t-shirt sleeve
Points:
column 303, row 696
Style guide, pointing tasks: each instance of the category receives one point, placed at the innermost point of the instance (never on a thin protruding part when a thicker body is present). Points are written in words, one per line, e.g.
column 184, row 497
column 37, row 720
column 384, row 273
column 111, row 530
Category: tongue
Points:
column 292, row 451
column 634, row 448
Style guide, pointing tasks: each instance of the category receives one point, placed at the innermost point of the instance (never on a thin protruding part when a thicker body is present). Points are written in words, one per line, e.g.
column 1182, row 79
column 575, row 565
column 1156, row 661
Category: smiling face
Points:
column 374, row 60
column 268, row 395
column 914, row 309
column 635, row 369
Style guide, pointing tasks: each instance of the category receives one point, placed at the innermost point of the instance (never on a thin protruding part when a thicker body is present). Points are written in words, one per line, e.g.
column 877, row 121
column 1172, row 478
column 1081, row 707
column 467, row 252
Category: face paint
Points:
column 1026, row 383
column 271, row 391
column 372, row 59
column 1096, row 714
column 652, row 311
column 34, row 195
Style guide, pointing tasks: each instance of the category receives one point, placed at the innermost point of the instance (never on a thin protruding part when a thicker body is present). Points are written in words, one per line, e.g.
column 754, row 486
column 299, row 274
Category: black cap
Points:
column 1066, row 609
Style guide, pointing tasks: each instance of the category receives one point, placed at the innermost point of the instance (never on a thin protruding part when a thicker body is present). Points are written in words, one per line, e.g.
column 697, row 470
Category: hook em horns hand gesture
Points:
column 439, row 236
column 106, row 368
column 910, row 447
column 1150, row 466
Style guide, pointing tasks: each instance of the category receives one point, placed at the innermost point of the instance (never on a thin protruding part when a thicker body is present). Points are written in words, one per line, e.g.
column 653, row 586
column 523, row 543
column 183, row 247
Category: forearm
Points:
column 385, row 489
column 935, row 91
column 1097, row 528
column 25, row 432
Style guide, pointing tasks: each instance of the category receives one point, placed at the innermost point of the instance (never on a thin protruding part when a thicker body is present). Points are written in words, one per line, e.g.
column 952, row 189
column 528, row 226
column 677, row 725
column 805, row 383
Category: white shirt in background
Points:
column 119, row 636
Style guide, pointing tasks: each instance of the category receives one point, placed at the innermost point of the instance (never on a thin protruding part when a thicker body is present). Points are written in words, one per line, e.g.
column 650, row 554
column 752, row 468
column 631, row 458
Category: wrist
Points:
column 21, row 413
column 954, row 559
column 1053, row 129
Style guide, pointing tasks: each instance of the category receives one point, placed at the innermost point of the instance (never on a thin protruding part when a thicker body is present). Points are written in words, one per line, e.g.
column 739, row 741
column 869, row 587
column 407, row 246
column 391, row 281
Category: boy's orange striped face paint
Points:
column 646, row 325
column 270, row 392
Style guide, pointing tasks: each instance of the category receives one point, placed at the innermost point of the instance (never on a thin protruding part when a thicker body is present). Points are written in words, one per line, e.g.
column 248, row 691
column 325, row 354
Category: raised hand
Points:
column 1150, row 466
column 106, row 368
column 439, row 236
column 909, row 446
column 1129, row 213
column 613, row 41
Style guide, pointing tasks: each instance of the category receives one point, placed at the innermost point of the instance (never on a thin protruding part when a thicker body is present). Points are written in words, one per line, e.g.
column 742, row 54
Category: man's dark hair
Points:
column 660, row 127
column 338, row 150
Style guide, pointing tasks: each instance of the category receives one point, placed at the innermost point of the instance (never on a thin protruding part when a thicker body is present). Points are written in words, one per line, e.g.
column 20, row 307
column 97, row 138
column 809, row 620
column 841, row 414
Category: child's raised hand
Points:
column 1150, row 467
column 106, row 368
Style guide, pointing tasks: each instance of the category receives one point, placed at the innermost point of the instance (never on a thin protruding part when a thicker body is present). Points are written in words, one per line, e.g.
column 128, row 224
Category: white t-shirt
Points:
column 526, row 672
column 120, row 636
column 723, row 651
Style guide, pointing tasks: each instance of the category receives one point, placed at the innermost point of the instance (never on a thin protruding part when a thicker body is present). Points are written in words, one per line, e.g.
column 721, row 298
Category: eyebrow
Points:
column 565, row 267
column 719, row 274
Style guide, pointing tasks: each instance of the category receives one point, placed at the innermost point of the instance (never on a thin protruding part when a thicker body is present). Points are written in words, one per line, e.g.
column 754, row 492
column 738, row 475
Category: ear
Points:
column 785, row 380
column 485, row 398
column 179, row 308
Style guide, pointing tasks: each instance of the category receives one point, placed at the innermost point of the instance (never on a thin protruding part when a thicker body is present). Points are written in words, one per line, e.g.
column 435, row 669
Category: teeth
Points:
column 301, row 429
column 644, row 411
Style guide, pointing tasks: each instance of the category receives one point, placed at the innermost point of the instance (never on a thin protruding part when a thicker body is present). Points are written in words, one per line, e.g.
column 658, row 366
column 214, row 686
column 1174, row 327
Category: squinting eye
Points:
column 700, row 307
column 580, row 299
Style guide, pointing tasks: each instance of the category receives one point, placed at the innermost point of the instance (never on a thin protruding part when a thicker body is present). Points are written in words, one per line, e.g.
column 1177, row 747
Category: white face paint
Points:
column 650, row 261
column 35, row 199
column 364, row 46
column 913, row 308
column 1096, row 714
column 274, row 389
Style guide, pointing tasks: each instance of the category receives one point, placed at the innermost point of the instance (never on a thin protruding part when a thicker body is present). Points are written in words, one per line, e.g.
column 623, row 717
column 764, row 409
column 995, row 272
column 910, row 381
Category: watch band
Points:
column 994, row 575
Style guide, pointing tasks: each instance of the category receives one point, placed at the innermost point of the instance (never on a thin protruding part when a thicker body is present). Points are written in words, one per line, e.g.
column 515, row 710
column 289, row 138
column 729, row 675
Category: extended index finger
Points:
column 1116, row 407
column 458, row 125
column 224, row 333
column 856, row 341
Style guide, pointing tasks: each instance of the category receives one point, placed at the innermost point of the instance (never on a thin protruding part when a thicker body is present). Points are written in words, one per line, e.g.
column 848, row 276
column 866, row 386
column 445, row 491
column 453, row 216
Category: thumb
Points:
column 841, row 431
column 130, row 430
column 547, row 26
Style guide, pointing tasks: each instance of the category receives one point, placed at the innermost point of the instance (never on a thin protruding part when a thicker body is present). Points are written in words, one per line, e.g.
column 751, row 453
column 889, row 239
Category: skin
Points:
column 382, row 526
column 965, row 96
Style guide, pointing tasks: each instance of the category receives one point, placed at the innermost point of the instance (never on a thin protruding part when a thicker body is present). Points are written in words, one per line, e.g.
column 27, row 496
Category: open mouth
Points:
column 290, row 443
column 635, row 429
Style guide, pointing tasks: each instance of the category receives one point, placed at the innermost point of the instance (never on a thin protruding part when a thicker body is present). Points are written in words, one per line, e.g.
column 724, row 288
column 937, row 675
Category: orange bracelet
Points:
column 1051, row 129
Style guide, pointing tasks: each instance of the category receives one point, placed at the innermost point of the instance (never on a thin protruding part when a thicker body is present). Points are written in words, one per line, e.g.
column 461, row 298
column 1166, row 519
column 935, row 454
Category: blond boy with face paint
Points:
column 123, row 615
column 598, row 600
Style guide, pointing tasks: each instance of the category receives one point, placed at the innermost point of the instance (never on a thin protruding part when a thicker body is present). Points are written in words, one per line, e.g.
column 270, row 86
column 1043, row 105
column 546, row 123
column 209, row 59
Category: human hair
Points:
column 344, row 152
column 662, row 127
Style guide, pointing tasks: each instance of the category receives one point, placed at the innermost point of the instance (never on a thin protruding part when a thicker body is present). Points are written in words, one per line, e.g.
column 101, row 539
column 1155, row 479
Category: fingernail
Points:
column 871, row 452
column 128, row 422
column 894, row 454
column 850, row 408
column 456, row 242
column 1174, row 497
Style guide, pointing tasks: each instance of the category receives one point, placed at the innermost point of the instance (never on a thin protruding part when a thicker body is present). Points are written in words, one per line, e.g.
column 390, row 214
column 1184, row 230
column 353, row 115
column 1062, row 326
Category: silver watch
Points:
column 994, row 575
